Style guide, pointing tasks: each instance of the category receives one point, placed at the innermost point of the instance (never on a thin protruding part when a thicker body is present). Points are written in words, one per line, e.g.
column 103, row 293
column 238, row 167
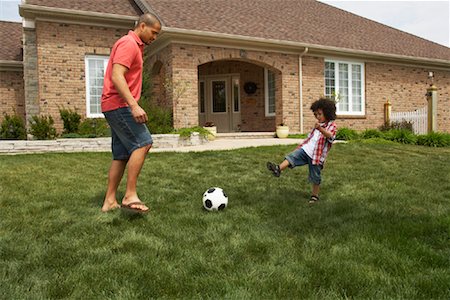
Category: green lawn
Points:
column 381, row 230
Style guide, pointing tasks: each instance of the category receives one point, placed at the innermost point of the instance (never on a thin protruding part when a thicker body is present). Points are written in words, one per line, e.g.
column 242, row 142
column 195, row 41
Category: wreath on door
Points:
column 250, row 87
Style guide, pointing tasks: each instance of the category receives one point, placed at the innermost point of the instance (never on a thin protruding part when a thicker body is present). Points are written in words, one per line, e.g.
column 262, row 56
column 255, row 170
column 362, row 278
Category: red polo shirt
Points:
column 127, row 51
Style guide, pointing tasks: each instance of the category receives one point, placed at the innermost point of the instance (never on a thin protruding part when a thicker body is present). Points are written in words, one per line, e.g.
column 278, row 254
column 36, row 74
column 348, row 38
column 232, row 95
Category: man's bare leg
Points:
column 114, row 177
column 135, row 164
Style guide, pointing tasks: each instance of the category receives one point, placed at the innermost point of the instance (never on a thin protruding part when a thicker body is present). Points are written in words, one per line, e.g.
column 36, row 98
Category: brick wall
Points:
column 184, row 60
column 403, row 86
column 61, row 52
column 252, row 106
column 12, row 99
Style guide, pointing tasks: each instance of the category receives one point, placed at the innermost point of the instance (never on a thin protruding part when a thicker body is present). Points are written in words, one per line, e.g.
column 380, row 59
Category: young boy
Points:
column 313, row 151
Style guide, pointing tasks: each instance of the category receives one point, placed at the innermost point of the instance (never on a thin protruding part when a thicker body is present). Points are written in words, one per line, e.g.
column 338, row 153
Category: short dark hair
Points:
column 148, row 19
column 327, row 106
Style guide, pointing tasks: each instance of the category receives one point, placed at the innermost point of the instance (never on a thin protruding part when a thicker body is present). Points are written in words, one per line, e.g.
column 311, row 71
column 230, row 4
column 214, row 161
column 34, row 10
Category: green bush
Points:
column 434, row 139
column 94, row 128
column 42, row 128
column 403, row 136
column 71, row 120
column 160, row 119
column 371, row 133
column 13, row 128
column 186, row 132
column 346, row 134
column 403, row 125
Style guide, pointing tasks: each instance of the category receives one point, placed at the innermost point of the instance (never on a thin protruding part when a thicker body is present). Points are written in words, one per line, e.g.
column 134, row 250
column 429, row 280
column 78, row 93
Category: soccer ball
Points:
column 215, row 199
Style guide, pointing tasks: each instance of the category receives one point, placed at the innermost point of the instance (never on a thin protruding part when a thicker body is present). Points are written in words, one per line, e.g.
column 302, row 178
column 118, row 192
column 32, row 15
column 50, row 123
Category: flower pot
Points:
column 282, row 131
column 213, row 130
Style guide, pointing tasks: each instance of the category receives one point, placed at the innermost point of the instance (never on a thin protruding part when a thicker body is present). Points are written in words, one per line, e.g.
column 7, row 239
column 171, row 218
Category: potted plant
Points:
column 282, row 131
column 211, row 127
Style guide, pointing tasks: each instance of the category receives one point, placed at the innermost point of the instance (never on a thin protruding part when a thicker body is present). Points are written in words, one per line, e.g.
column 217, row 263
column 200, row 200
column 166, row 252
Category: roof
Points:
column 307, row 22
column 11, row 40
column 119, row 7
column 303, row 21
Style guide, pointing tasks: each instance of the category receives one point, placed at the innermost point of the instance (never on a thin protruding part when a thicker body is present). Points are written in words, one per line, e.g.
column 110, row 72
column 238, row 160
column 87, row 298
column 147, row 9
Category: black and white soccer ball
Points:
column 215, row 199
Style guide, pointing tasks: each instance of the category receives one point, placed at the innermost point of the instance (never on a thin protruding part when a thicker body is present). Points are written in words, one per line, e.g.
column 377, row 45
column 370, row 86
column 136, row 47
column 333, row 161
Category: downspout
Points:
column 300, row 75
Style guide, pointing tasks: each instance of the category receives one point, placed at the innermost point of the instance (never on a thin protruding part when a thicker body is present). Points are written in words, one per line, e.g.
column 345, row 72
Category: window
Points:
column 219, row 98
column 269, row 89
column 344, row 80
column 236, row 96
column 202, row 92
column 95, row 71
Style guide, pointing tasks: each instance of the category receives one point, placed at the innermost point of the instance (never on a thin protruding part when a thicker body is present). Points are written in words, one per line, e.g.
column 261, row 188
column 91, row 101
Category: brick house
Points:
column 243, row 66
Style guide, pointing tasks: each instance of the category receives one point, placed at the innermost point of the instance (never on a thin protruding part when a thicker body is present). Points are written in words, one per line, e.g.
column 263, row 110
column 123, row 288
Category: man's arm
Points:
column 118, row 79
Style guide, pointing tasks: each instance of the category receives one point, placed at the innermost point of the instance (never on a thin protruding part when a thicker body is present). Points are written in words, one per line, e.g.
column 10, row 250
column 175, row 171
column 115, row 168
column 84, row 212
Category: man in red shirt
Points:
column 131, row 139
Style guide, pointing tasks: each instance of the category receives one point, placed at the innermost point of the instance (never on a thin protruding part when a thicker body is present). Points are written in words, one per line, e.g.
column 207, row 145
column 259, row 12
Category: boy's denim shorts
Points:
column 126, row 134
column 300, row 158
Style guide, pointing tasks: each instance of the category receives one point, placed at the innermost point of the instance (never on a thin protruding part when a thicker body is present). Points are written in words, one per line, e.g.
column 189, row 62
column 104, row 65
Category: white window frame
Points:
column 266, row 94
column 350, row 112
column 233, row 78
column 88, row 88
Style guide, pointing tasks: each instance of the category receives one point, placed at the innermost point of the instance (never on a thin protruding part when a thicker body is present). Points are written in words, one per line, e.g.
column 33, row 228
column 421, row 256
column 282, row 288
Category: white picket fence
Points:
column 418, row 118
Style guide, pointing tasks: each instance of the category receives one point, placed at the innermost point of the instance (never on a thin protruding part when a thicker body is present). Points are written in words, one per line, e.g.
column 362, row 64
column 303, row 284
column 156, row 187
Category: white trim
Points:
column 11, row 65
column 238, row 94
column 88, row 88
column 266, row 95
column 349, row 63
column 184, row 35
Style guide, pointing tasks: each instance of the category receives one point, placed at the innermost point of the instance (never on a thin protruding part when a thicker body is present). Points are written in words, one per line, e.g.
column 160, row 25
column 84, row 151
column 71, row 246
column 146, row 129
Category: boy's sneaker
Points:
column 275, row 169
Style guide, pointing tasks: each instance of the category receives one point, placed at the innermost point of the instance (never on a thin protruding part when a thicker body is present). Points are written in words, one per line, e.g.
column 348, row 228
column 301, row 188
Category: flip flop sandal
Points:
column 129, row 207
column 313, row 199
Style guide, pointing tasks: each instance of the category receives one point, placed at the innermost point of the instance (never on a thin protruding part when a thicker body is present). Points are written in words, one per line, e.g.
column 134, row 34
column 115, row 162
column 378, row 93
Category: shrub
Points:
column 434, row 139
column 403, row 136
column 13, row 128
column 94, row 128
column 346, row 134
column 371, row 133
column 397, row 125
column 186, row 132
column 42, row 128
column 160, row 119
column 71, row 120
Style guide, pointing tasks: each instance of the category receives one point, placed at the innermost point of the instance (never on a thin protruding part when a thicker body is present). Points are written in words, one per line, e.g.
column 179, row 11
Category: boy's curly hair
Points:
column 327, row 106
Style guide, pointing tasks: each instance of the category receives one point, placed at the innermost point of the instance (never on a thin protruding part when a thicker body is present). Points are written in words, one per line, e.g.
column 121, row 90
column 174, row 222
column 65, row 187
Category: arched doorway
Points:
column 238, row 95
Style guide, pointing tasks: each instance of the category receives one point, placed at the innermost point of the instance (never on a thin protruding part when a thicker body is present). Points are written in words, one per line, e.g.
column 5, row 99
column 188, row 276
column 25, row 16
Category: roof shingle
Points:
column 303, row 21
column 118, row 7
column 11, row 40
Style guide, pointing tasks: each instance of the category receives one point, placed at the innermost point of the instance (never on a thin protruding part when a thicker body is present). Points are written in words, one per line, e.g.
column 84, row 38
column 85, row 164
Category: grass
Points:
column 381, row 229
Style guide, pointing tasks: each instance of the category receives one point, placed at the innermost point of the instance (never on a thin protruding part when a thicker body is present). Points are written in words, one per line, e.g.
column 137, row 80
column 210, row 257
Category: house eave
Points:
column 197, row 37
column 11, row 65
column 53, row 14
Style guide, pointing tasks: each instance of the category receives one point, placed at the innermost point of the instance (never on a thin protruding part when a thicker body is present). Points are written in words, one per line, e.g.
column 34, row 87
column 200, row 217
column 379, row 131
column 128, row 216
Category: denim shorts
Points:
column 126, row 134
column 300, row 158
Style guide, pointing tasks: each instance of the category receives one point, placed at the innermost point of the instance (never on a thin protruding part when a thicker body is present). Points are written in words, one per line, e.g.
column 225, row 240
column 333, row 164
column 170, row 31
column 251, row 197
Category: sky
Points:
column 429, row 19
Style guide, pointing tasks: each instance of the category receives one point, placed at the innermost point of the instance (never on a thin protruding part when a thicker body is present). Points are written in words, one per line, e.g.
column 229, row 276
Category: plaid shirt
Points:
column 323, row 144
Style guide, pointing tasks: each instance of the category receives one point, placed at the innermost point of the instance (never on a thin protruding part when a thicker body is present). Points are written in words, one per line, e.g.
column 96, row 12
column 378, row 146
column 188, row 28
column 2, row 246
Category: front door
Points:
column 219, row 102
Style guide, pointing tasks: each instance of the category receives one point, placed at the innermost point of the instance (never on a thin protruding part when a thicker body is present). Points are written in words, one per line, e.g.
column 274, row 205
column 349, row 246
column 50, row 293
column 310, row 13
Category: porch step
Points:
column 245, row 135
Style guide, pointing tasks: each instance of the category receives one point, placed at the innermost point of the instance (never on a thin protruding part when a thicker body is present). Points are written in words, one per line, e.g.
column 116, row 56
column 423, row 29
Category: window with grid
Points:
column 95, row 72
column 344, row 81
column 269, row 80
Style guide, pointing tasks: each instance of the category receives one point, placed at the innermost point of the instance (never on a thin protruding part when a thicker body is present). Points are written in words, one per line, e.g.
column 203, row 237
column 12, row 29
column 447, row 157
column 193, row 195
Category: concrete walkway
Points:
column 231, row 143
column 162, row 143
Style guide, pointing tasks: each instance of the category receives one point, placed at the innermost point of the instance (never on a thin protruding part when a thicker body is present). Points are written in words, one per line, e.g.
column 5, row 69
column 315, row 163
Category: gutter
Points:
column 300, row 76
column 64, row 15
column 290, row 46
column 11, row 65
